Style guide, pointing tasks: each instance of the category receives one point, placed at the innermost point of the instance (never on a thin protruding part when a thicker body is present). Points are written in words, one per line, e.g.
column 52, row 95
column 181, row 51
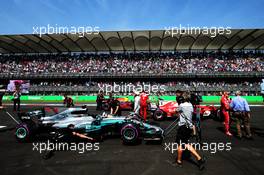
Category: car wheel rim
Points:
column 158, row 115
column 129, row 134
column 21, row 133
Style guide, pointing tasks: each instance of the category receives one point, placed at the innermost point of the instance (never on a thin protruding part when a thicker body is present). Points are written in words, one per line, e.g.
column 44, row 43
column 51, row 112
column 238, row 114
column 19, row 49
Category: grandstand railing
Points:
column 130, row 75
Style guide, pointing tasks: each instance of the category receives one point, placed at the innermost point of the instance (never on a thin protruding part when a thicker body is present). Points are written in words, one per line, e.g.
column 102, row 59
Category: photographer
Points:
column 185, row 130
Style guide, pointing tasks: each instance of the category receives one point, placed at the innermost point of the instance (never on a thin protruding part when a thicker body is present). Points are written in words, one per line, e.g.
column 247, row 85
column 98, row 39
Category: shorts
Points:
column 183, row 134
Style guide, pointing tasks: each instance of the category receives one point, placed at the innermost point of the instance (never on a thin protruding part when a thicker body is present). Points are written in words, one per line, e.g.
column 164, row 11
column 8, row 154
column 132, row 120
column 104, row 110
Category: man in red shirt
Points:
column 225, row 102
column 144, row 104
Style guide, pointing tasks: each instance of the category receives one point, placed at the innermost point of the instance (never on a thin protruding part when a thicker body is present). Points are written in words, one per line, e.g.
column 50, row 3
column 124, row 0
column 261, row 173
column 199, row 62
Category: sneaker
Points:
column 201, row 163
column 228, row 134
column 179, row 164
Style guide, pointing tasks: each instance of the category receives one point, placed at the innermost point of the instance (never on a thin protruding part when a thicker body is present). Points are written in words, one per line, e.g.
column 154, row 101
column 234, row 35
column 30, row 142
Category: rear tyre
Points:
column 217, row 116
column 158, row 115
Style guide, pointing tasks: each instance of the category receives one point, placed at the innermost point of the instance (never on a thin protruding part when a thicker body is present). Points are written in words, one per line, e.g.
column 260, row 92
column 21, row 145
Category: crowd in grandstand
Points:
column 194, row 84
column 134, row 63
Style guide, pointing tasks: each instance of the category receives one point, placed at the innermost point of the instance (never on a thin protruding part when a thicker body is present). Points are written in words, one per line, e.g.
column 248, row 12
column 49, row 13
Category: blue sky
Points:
column 20, row 16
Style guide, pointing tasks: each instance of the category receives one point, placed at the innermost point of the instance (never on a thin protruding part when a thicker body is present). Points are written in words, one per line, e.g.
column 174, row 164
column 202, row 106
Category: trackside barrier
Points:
column 82, row 98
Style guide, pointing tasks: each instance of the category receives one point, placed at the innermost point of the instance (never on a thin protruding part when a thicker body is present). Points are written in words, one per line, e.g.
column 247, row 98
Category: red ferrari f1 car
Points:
column 125, row 104
column 169, row 109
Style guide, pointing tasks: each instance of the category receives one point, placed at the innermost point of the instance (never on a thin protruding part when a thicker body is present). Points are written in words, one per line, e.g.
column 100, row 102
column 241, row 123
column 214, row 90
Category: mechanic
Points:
column 179, row 98
column 99, row 100
column 144, row 100
column 242, row 114
column 225, row 102
column 16, row 99
column 136, row 102
column 185, row 130
column 68, row 101
column 115, row 107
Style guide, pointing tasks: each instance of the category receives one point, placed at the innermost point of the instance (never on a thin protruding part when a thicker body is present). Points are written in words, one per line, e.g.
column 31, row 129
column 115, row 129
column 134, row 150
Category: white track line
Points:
column 2, row 127
column 12, row 117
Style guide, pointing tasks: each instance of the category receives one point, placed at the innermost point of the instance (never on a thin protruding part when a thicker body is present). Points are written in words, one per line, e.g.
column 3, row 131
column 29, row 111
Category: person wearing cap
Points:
column 242, row 114
column 225, row 102
column 136, row 102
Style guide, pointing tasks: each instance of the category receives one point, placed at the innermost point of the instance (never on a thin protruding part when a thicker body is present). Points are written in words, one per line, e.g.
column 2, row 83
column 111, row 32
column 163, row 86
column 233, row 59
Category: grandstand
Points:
column 67, row 63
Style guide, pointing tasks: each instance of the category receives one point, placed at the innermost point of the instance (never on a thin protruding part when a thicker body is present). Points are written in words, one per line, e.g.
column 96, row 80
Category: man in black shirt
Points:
column 115, row 107
column 99, row 101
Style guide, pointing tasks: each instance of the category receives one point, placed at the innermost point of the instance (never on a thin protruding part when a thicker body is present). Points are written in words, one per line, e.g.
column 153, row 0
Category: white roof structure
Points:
column 122, row 41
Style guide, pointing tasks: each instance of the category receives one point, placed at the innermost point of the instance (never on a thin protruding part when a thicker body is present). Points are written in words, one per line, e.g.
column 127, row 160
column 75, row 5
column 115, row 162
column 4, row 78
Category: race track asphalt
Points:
column 113, row 158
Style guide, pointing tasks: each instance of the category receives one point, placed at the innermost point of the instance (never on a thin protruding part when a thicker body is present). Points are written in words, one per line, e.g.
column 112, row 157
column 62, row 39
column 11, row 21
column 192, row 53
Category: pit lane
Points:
column 246, row 156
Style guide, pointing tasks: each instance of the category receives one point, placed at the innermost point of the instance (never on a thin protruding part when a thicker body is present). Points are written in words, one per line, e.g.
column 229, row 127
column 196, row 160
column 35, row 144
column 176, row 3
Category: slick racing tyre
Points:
column 217, row 116
column 158, row 115
column 130, row 133
column 22, row 132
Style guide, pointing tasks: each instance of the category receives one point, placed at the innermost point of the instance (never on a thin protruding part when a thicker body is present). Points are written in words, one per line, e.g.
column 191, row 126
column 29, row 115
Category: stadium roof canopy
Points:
column 114, row 41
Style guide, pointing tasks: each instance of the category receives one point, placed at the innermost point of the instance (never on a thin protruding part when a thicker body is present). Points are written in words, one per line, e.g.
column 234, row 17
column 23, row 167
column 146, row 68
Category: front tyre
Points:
column 130, row 133
column 22, row 132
